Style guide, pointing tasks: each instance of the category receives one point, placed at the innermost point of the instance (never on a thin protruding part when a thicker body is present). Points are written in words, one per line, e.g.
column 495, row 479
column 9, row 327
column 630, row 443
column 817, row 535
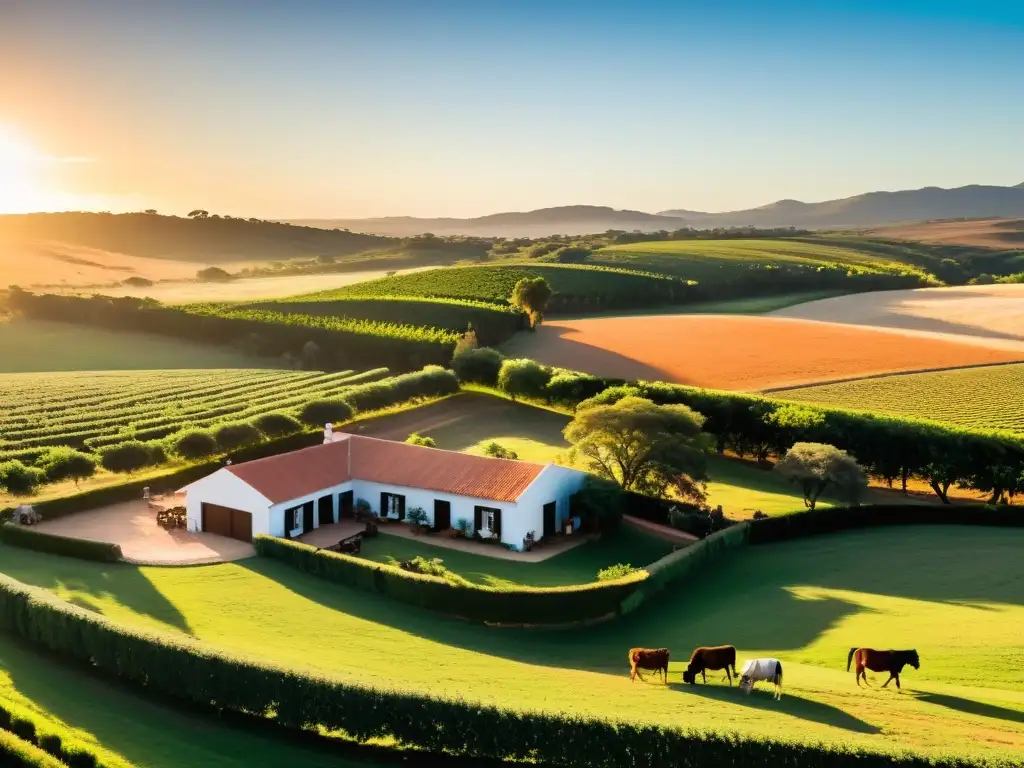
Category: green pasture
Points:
column 989, row 397
column 955, row 594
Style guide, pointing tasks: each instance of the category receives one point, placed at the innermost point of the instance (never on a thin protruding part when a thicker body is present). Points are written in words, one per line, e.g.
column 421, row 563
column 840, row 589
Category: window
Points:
column 296, row 517
column 487, row 519
column 392, row 505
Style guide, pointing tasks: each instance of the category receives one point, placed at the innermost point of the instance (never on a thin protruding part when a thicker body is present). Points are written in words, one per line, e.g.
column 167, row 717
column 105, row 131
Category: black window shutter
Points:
column 384, row 505
column 497, row 522
column 401, row 507
column 288, row 515
column 478, row 518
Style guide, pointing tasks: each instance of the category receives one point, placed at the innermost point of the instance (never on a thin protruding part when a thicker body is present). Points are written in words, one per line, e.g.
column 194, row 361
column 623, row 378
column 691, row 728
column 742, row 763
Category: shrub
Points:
column 498, row 451
column 417, row 439
column 128, row 457
column 277, row 425
column 231, row 437
column 417, row 516
column 600, row 501
column 568, row 387
column 432, row 381
column 18, row 753
column 194, row 444
column 362, row 506
column 320, row 412
column 213, row 274
column 431, row 567
column 29, row 538
column 571, row 254
column 523, row 378
column 478, row 366
column 691, row 520
column 18, row 479
column 617, row 571
column 64, row 463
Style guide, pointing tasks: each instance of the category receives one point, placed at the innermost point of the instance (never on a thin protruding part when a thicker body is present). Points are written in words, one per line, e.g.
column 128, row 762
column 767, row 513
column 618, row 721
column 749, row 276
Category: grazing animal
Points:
column 646, row 658
column 756, row 670
column 882, row 661
column 715, row 658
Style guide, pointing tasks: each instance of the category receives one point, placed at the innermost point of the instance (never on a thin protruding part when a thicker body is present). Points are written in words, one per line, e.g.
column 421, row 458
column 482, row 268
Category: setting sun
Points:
column 20, row 184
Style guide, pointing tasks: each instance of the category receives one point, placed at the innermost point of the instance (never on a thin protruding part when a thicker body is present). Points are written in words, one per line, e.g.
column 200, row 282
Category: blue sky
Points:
column 310, row 109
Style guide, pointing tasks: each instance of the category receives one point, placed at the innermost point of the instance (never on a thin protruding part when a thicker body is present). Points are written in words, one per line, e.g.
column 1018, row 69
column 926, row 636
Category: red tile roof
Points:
column 299, row 473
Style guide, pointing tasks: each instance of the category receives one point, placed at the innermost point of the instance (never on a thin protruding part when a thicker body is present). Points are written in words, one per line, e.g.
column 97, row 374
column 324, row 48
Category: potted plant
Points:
column 418, row 519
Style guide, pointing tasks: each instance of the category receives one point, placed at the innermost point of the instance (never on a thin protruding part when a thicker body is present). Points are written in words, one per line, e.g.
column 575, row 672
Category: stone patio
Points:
column 132, row 524
column 329, row 534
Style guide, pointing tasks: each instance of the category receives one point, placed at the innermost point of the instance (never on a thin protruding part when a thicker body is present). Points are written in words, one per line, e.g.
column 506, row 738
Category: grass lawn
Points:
column 577, row 566
column 39, row 345
column 956, row 594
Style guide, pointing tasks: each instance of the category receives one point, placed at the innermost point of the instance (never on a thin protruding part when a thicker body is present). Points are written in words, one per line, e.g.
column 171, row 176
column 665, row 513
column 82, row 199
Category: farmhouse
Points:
column 293, row 493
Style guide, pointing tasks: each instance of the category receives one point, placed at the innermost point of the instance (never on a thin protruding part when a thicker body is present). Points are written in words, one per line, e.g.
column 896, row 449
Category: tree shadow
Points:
column 796, row 706
column 125, row 583
column 971, row 707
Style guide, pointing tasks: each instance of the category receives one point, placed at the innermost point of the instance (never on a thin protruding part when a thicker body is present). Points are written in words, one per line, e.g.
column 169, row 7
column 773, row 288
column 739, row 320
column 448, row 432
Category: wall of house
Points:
column 225, row 489
column 555, row 484
column 277, row 521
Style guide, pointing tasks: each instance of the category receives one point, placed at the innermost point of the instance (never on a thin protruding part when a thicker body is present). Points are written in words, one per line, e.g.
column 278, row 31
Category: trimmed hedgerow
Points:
column 29, row 538
column 432, row 381
column 19, row 753
column 43, row 744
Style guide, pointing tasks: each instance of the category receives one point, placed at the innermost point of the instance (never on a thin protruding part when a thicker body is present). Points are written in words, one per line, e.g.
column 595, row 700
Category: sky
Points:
column 306, row 109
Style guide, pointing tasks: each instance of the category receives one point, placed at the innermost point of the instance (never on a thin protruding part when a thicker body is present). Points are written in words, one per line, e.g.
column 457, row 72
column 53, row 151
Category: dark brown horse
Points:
column 892, row 662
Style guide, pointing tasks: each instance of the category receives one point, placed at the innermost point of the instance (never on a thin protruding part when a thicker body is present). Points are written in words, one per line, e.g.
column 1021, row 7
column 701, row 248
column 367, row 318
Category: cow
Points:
column 882, row 661
column 715, row 658
column 647, row 658
column 756, row 670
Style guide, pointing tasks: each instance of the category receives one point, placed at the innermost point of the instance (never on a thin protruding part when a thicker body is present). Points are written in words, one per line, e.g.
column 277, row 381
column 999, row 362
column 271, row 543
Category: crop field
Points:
column 987, row 311
column 981, row 398
column 804, row 602
column 745, row 353
column 95, row 409
column 708, row 260
column 985, row 233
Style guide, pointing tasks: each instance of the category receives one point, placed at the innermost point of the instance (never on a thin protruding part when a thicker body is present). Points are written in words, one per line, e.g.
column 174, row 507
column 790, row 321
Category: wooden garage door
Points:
column 225, row 521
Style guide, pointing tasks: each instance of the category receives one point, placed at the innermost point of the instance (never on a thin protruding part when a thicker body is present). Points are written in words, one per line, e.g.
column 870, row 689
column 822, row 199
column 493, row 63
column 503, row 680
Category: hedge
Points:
column 514, row 605
column 832, row 520
column 44, row 744
column 191, row 671
column 28, row 538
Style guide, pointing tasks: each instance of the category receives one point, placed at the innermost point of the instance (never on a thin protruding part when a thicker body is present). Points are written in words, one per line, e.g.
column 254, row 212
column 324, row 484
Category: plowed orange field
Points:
column 746, row 353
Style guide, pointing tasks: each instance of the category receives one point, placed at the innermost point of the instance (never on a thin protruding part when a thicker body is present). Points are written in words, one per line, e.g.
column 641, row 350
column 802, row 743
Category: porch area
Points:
column 329, row 534
column 549, row 547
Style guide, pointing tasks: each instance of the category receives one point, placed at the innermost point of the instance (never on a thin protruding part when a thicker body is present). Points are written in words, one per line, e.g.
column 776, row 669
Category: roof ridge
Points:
column 448, row 450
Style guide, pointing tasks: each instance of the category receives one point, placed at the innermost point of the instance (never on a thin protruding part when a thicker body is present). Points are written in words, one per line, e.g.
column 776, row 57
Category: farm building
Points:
column 293, row 493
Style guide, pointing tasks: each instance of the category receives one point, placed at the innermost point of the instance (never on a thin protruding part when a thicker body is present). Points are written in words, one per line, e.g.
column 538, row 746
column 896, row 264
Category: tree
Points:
column 277, row 424
column 523, row 378
column 213, row 274
column 498, row 451
column 127, row 457
column 417, row 439
column 817, row 466
column 194, row 444
column 18, row 479
column 602, row 501
column 320, row 412
column 64, row 463
column 198, row 213
column 150, row 211
column 643, row 447
column 531, row 295
column 478, row 366
column 231, row 437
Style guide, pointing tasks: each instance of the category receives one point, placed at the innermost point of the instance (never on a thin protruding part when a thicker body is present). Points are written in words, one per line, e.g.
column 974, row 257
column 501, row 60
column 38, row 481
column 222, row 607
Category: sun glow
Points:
column 24, row 172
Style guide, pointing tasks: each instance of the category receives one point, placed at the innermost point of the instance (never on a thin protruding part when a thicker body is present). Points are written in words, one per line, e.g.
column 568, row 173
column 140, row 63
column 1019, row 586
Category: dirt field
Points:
column 982, row 311
column 747, row 353
column 987, row 233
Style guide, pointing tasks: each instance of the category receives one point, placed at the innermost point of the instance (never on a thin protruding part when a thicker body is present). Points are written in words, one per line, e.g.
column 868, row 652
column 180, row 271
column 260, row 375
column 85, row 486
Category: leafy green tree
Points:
column 478, row 366
column 644, row 447
column 523, row 378
column 816, row 466
column 417, row 439
column 320, row 412
column 128, row 457
column 231, row 437
column 18, row 479
column 498, row 451
column 531, row 295
column 64, row 463
column 277, row 424
column 194, row 444
column 198, row 213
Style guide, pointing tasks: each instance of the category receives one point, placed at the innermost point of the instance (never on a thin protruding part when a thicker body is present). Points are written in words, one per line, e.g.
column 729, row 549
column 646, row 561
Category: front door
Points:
column 346, row 504
column 307, row 517
column 325, row 510
column 442, row 515
column 550, row 518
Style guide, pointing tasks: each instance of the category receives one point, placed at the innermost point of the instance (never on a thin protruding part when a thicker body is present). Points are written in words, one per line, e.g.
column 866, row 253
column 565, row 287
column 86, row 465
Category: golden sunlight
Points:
column 23, row 185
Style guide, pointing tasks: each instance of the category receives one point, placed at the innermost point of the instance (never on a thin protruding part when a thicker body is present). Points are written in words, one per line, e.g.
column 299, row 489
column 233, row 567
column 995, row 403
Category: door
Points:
column 307, row 517
column 550, row 519
column 241, row 525
column 442, row 515
column 225, row 521
column 325, row 510
column 346, row 504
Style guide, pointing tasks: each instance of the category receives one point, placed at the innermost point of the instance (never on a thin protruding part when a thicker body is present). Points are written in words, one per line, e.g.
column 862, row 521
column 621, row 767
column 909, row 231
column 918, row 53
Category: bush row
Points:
column 178, row 666
column 25, row 740
column 27, row 538
column 513, row 605
column 493, row 323
column 336, row 344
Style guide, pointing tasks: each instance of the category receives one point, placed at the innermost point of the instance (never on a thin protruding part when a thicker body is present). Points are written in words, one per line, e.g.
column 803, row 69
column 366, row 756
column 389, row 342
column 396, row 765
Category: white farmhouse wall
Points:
column 227, row 490
column 277, row 521
column 555, row 484
column 462, row 506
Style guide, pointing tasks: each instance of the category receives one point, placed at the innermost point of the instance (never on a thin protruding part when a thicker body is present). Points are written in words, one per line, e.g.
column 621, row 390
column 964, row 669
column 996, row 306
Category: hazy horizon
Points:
column 319, row 110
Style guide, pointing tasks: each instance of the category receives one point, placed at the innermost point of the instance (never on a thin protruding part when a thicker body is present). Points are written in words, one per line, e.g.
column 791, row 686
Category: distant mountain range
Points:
column 872, row 209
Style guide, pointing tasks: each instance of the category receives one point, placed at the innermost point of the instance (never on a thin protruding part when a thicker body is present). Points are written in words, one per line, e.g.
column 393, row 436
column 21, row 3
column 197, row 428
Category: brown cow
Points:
column 645, row 658
column 715, row 658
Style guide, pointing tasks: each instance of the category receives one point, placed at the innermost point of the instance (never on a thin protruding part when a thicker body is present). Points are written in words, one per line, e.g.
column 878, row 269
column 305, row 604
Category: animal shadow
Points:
column 972, row 707
column 814, row 711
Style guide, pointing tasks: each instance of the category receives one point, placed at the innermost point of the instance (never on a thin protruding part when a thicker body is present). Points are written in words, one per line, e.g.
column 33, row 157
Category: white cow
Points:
column 762, row 669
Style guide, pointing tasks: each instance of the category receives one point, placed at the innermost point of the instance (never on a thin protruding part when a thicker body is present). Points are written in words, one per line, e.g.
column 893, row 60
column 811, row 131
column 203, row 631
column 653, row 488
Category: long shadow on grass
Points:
column 87, row 581
column 805, row 709
column 972, row 707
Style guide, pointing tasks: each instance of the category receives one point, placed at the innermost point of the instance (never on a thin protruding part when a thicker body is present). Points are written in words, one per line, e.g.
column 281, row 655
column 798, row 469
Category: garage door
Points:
column 225, row 521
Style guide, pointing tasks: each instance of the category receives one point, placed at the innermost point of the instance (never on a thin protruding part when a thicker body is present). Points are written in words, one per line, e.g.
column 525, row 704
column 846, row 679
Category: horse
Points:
column 714, row 658
column 644, row 658
column 756, row 670
column 882, row 661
